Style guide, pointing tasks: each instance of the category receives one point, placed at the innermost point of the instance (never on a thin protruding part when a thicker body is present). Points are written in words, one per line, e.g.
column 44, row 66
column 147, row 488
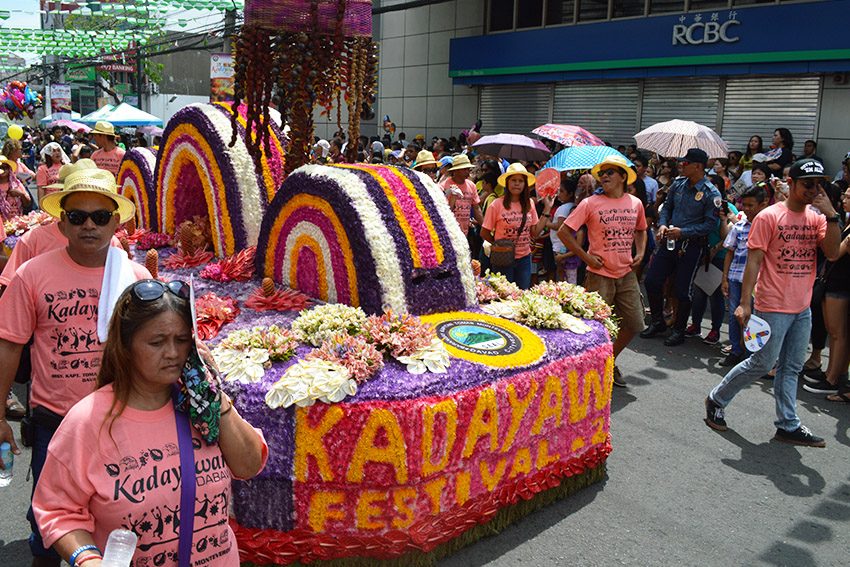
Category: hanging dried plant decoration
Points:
column 304, row 53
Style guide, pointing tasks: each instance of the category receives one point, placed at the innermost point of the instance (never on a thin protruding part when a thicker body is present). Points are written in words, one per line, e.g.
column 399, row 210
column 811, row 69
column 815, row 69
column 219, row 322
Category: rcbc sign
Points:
column 705, row 32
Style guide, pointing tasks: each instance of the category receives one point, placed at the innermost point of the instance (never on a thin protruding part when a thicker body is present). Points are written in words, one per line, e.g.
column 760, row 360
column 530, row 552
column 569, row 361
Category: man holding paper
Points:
column 782, row 245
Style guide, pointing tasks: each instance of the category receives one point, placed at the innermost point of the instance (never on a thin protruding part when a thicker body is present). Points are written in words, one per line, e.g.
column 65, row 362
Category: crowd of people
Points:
column 762, row 232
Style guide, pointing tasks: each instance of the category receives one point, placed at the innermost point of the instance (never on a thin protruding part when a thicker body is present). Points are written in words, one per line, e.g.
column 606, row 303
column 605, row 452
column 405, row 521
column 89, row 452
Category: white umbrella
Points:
column 675, row 137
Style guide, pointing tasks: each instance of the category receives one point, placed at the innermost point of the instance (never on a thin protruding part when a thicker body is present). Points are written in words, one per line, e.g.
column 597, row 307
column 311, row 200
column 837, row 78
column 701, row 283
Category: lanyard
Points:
column 187, row 487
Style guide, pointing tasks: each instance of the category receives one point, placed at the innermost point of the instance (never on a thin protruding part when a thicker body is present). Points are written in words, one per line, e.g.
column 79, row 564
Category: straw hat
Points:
column 68, row 169
column 6, row 161
column 516, row 169
column 103, row 127
column 97, row 181
column 615, row 161
column 460, row 161
column 424, row 158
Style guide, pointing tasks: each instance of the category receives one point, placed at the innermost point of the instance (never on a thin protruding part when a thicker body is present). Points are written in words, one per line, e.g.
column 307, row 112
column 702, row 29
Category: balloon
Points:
column 15, row 132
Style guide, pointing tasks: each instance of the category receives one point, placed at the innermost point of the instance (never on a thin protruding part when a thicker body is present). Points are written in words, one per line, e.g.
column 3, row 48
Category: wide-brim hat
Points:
column 616, row 161
column 97, row 181
column 461, row 161
column 6, row 161
column 516, row 169
column 424, row 158
column 103, row 127
column 68, row 169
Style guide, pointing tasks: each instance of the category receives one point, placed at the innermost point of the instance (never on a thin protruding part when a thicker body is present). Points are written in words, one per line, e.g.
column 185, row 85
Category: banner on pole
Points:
column 60, row 101
column 221, row 77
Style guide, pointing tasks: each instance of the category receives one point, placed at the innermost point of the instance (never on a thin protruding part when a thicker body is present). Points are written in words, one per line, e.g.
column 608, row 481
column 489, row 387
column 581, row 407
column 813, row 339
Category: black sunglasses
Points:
column 100, row 217
column 151, row 290
column 610, row 171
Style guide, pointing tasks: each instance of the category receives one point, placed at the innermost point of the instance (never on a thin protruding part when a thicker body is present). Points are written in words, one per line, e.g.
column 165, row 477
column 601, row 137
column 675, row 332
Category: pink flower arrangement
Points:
column 182, row 260
column 213, row 312
column 239, row 267
column 150, row 240
column 485, row 293
column 355, row 353
column 398, row 335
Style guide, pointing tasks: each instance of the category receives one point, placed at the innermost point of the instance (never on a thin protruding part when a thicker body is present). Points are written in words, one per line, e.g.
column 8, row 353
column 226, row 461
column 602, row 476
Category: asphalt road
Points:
column 677, row 492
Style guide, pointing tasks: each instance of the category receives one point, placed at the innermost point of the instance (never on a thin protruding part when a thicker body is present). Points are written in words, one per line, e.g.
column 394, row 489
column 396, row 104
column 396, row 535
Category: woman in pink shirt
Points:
column 504, row 218
column 13, row 194
column 115, row 463
column 48, row 172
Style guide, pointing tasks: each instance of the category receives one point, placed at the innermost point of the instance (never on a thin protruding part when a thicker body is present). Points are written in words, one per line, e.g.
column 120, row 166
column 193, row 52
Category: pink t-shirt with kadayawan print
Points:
column 789, row 241
column 463, row 205
column 100, row 477
column 110, row 161
column 505, row 223
column 611, row 226
column 54, row 300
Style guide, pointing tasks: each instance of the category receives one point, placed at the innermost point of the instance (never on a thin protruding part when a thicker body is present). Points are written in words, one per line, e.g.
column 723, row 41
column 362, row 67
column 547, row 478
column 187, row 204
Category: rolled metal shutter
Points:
column 759, row 105
column 514, row 109
column 609, row 109
column 680, row 98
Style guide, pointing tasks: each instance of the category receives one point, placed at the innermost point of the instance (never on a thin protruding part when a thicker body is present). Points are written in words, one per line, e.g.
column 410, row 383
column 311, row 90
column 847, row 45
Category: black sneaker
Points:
column 714, row 416
column 618, row 378
column 813, row 375
column 654, row 329
column 800, row 436
column 733, row 359
column 675, row 339
column 821, row 387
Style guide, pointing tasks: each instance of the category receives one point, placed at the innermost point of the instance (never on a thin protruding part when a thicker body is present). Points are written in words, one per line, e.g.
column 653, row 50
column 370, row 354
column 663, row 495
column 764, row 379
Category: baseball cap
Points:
column 806, row 168
column 695, row 155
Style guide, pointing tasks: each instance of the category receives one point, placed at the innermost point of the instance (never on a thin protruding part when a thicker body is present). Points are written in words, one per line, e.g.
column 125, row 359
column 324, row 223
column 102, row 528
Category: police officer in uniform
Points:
column 689, row 214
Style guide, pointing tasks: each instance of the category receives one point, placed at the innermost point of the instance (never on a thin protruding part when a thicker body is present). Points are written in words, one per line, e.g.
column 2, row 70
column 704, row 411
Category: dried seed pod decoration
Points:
column 268, row 287
column 152, row 262
column 130, row 226
column 187, row 238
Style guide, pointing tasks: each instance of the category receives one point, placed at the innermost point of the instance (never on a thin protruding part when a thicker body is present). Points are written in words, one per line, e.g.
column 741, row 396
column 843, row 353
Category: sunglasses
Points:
column 151, row 290
column 100, row 217
column 610, row 171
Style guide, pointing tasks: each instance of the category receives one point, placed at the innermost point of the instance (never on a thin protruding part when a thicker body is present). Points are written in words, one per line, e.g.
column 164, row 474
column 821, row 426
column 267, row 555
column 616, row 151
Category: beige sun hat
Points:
column 424, row 158
column 461, row 161
column 97, row 181
column 616, row 161
column 103, row 127
column 516, row 169
column 68, row 169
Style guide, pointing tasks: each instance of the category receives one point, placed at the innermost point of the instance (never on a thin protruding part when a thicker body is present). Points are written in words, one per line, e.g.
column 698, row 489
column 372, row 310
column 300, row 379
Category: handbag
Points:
column 503, row 250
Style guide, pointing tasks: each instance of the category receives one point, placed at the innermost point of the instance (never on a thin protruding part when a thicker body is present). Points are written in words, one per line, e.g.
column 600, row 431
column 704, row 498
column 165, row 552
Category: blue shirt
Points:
column 736, row 241
column 691, row 209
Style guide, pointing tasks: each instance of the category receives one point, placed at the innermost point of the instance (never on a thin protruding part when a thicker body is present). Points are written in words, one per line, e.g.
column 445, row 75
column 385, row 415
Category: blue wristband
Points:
column 73, row 559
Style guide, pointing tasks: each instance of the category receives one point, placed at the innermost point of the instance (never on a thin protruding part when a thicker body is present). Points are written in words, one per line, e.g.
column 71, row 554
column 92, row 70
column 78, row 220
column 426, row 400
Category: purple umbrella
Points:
column 74, row 126
column 512, row 146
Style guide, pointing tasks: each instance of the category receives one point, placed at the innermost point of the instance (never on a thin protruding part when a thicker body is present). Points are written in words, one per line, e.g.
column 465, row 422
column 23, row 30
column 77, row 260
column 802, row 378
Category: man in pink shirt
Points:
column 54, row 298
column 615, row 222
column 461, row 193
column 782, row 245
column 108, row 156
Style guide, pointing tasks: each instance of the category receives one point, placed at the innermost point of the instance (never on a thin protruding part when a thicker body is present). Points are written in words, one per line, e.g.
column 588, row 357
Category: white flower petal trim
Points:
column 433, row 358
column 508, row 309
column 305, row 228
column 311, row 380
column 246, row 366
column 574, row 324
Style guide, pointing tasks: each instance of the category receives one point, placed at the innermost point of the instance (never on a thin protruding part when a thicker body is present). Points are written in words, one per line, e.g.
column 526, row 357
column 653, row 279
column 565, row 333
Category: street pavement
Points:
column 677, row 492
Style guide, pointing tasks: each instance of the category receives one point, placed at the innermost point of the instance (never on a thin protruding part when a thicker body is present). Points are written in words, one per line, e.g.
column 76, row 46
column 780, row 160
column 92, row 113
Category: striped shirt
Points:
column 736, row 241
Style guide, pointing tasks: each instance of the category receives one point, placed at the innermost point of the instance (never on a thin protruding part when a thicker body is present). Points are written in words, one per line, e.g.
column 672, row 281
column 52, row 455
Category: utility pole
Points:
column 229, row 29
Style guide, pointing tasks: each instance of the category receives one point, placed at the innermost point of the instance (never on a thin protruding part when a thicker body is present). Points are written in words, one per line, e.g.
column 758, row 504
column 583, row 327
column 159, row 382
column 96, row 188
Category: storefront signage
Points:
column 700, row 32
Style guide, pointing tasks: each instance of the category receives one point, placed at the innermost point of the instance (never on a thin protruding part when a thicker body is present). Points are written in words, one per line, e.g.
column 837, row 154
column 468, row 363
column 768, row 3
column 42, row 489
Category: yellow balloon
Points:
column 15, row 132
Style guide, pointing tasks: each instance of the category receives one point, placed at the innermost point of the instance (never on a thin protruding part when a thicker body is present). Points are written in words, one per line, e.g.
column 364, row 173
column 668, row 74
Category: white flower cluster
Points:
column 311, row 380
column 238, row 365
column 324, row 321
column 433, row 358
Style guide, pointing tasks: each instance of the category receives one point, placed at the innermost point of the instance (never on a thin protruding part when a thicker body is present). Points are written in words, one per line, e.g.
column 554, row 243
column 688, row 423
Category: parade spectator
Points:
column 734, row 165
column 514, row 218
column 754, row 146
column 810, row 148
column 752, row 203
column 321, row 151
column 615, row 223
column 780, row 156
column 59, row 299
column 76, row 503
column 13, row 150
column 782, row 243
column 108, row 156
column 464, row 197
column 566, row 261
column 689, row 214
column 648, row 182
column 53, row 157
column 426, row 163
column 720, row 169
column 14, row 197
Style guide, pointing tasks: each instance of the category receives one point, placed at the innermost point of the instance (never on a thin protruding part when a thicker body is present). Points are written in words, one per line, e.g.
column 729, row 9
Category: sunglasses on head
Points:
column 610, row 171
column 151, row 290
column 101, row 217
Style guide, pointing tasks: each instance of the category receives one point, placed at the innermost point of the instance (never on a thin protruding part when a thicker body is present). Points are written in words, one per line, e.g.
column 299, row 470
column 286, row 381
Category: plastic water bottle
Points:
column 119, row 548
column 8, row 458
column 671, row 244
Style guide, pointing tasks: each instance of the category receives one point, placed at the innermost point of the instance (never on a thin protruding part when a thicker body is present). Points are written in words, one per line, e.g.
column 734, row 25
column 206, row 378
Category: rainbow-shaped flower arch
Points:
column 136, row 182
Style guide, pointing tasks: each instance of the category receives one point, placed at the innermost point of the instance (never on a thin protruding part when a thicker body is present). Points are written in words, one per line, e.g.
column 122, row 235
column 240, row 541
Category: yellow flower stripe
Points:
column 166, row 194
column 138, row 194
column 310, row 242
column 533, row 347
column 399, row 213
column 304, row 200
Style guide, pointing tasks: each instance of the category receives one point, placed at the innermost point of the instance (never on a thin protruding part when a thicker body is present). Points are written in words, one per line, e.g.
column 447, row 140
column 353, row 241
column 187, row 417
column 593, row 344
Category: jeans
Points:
column 734, row 325
column 41, row 439
column 520, row 272
column 787, row 345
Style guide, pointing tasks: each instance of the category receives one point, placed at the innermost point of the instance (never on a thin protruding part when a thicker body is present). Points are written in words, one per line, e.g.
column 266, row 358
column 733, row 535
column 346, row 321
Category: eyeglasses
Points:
column 151, row 290
column 100, row 217
column 610, row 171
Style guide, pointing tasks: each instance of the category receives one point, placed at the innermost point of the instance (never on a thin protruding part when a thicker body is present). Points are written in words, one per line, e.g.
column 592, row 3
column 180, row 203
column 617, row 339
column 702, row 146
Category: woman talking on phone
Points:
column 126, row 457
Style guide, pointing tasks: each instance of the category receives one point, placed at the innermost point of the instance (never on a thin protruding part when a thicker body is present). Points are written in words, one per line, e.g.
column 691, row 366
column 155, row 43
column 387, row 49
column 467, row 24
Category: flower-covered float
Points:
column 410, row 405
column 136, row 182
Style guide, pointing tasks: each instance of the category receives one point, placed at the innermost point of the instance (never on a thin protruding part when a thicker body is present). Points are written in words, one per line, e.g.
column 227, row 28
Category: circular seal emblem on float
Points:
column 487, row 340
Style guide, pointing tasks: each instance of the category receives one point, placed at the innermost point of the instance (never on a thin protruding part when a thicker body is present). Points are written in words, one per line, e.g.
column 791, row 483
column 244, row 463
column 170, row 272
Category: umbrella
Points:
column 512, row 146
column 675, row 137
column 150, row 130
column 568, row 135
column 582, row 157
column 74, row 126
